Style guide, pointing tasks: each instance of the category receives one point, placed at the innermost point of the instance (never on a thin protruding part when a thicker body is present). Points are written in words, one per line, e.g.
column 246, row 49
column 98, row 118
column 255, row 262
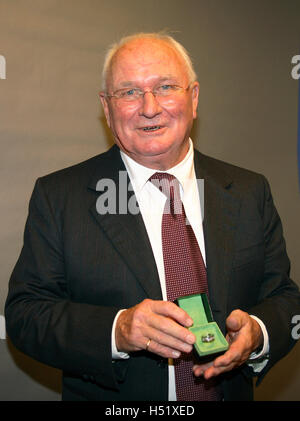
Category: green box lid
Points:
column 197, row 306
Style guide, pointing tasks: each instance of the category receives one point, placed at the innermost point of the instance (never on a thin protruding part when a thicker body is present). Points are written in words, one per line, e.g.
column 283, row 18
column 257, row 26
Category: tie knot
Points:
column 167, row 184
column 162, row 176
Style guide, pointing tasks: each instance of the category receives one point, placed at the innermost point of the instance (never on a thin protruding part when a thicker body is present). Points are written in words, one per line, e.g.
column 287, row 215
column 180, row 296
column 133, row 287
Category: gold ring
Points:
column 148, row 343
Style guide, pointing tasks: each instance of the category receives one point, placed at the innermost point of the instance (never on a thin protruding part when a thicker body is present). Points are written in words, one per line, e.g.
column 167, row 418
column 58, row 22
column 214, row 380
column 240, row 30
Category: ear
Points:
column 195, row 97
column 105, row 106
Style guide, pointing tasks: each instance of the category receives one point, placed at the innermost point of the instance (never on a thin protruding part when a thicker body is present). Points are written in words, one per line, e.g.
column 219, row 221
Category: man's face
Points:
column 151, row 131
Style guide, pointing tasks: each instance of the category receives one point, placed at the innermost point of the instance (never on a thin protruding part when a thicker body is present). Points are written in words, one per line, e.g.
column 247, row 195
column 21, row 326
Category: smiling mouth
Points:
column 151, row 128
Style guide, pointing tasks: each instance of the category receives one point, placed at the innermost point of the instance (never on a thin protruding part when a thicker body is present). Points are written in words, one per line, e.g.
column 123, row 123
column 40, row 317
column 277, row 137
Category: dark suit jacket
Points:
column 78, row 268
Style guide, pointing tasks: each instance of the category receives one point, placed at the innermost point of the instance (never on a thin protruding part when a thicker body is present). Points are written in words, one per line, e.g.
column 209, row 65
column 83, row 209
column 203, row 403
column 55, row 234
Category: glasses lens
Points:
column 128, row 94
column 167, row 90
column 161, row 93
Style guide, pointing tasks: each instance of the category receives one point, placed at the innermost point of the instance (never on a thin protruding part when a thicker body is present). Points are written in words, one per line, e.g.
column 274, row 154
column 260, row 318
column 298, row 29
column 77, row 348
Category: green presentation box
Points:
column 209, row 338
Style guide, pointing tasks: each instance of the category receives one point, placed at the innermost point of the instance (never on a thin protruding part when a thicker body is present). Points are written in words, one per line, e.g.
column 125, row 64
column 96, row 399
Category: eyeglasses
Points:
column 161, row 92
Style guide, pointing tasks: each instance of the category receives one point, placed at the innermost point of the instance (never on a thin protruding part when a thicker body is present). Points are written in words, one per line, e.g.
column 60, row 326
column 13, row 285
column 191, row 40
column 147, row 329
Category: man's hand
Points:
column 244, row 336
column 161, row 321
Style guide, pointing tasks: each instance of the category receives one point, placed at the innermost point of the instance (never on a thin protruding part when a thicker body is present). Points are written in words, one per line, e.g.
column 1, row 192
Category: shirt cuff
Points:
column 265, row 349
column 115, row 354
column 258, row 360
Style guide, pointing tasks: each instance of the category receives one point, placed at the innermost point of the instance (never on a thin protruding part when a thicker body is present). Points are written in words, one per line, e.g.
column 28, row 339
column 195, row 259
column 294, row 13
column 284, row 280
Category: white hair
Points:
column 152, row 35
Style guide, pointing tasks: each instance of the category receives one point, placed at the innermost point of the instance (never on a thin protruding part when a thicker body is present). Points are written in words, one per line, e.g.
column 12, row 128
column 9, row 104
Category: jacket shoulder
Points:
column 83, row 169
column 228, row 174
column 71, row 184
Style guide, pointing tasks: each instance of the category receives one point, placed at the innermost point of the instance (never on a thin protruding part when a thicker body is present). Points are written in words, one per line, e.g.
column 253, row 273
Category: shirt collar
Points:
column 139, row 174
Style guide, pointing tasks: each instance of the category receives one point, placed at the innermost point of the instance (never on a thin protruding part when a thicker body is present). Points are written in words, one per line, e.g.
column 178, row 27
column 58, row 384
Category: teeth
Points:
column 151, row 128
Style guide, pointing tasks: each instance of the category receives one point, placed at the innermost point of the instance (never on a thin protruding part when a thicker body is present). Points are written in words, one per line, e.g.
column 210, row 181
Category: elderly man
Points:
column 92, row 292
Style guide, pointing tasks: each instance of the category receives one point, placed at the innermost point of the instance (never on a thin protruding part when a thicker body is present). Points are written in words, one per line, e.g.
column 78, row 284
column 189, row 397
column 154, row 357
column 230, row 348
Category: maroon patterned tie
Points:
column 185, row 274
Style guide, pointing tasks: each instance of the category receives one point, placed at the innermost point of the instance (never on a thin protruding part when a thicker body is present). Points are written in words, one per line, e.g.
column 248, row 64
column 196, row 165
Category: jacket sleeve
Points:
column 41, row 319
column 279, row 298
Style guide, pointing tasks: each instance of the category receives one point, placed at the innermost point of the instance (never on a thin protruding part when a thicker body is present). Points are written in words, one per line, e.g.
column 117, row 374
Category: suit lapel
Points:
column 127, row 231
column 221, row 209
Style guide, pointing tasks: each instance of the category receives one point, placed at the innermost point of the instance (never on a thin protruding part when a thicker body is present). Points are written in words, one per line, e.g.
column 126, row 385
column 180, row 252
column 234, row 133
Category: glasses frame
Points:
column 142, row 93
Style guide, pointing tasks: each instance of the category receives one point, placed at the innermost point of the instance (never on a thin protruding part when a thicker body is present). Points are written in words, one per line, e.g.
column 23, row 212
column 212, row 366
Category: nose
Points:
column 150, row 106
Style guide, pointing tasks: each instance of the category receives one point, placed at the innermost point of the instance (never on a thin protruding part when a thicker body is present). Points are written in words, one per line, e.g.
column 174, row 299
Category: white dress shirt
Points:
column 151, row 203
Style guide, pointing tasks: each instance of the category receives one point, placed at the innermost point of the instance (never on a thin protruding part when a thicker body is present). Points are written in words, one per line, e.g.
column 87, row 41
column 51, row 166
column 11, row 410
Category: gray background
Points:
column 50, row 117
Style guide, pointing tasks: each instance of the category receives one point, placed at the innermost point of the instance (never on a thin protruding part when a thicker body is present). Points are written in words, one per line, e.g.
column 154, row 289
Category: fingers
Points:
column 236, row 320
column 202, row 369
column 162, row 322
column 244, row 335
column 231, row 359
column 169, row 309
column 165, row 341
column 240, row 323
